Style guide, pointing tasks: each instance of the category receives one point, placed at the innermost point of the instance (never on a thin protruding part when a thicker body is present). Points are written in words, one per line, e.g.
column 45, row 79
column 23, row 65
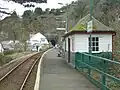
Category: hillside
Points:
column 106, row 11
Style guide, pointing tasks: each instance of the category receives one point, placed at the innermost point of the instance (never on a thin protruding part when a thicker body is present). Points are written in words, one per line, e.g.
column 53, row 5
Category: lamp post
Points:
column 89, row 29
column 90, row 47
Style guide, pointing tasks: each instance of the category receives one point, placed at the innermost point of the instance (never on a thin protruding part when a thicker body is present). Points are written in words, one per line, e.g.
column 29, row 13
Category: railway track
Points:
column 7, row 67
column 17, row 77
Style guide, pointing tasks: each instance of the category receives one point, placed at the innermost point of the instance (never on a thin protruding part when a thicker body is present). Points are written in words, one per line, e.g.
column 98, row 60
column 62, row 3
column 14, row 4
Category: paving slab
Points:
column 58, row 75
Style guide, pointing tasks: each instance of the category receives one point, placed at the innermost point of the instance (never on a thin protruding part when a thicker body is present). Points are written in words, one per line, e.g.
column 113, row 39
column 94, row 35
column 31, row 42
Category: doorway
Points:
column 68, row 50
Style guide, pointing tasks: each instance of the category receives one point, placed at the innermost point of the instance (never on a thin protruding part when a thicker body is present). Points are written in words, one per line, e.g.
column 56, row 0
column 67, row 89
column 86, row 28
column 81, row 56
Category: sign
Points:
column 63, row 29
column 90, row 26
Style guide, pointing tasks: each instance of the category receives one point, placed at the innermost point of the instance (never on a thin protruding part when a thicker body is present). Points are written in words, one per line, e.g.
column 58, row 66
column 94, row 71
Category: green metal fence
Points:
column 98, row 70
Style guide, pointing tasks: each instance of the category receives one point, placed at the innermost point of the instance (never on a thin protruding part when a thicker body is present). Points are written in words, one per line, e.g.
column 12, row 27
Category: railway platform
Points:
column 56, row 74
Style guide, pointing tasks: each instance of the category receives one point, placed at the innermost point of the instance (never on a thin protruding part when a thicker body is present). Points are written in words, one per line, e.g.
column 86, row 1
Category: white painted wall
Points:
column 106, row 43
column 81, row 42
column 1, row 48
column 72, row 42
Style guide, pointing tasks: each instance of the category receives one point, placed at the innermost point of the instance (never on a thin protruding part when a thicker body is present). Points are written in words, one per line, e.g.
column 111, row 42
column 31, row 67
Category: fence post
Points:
column 82, row 59
column 103, row 76
column 76, row 59
column 89, row 70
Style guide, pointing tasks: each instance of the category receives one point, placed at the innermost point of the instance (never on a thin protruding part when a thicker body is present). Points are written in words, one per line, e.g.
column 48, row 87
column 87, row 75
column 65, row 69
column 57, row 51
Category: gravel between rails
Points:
column 15, row 79
column 32, row 78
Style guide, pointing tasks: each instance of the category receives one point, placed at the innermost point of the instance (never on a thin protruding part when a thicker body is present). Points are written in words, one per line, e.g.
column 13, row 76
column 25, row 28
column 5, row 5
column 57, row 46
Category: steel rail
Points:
column 16, row 67
column 28, row 74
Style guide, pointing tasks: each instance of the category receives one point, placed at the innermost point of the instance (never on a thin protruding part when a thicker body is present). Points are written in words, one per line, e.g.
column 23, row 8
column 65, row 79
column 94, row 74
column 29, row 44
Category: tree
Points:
column 31, row 22
column 10, row 28
column 38, row 11
column 35, row 26
column 52, row 11
column 29, row 5
column 27, row 18
column 24, row 1
column 110, row 10
column 47, row 10
column 56, row 11
column 14, row 15
column 80, row 10
column 27, row 14
column 4, row 12
column 14, row 25
column 113, row 1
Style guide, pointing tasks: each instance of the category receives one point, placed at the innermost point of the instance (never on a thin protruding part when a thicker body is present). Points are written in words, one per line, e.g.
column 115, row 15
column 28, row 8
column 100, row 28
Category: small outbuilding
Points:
column 37, row 40
column 78, row 39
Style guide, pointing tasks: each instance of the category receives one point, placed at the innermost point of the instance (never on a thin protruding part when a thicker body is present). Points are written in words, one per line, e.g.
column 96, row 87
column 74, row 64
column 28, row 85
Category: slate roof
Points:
column 97, row 26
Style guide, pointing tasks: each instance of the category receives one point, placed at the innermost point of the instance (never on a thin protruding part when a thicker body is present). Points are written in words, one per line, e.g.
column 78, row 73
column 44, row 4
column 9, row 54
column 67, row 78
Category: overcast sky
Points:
column 20, row 9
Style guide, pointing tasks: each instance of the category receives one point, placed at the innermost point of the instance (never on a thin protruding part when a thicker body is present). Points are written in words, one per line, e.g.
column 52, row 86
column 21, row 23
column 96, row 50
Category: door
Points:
column 68, row 50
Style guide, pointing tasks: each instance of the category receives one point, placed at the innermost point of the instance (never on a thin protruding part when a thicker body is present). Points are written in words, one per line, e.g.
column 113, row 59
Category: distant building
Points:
column 1, row 48
column 9, row 45
column 37, row 40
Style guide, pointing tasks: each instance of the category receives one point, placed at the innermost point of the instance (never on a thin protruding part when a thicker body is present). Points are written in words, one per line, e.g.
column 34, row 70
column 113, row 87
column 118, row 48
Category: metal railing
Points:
column 100, row 71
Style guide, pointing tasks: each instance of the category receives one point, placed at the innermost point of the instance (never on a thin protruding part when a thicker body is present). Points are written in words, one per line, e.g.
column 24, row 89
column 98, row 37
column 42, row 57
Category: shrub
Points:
column 9, row 52
column 4, row 59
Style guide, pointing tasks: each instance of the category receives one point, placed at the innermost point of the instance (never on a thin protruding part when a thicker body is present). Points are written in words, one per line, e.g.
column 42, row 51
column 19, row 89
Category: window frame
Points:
column 95, row 44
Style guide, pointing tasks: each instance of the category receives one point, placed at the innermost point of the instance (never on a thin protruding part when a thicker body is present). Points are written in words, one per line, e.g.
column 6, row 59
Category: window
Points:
column 95, row 43
column 43, row 39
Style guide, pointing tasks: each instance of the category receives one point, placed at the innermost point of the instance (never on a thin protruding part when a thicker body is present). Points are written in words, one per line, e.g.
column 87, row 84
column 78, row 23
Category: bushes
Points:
column 9, row 52
column 43, row 47
column 4, row 59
